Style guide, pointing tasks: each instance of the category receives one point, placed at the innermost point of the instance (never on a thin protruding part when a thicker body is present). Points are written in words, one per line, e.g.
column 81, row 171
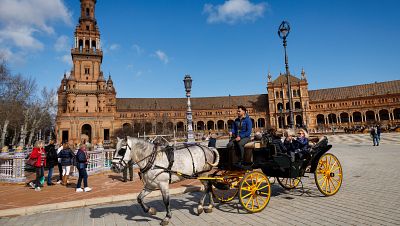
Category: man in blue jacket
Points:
column 241, row 131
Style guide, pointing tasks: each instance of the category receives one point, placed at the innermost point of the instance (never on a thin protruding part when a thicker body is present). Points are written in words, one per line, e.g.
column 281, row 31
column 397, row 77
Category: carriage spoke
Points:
column 247, row 195
column 248, row 201
column 333, row 165
column 263, row 187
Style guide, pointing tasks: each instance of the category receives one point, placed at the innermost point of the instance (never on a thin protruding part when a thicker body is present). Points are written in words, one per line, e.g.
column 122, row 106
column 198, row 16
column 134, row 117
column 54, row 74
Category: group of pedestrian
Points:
column 62, row 157
column 375, row 133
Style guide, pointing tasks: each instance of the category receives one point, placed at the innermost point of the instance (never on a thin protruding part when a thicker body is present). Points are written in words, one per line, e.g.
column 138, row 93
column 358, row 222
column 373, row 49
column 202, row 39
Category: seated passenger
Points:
column 296, row 147
column 241, row 131
column 277, row 141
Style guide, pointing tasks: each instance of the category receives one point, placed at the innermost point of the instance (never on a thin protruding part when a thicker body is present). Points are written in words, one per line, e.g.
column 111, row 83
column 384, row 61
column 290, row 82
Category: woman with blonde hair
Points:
column 39, row 154
column 66, row 155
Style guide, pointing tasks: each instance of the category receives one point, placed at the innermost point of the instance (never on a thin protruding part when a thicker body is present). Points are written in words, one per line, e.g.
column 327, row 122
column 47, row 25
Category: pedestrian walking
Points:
column 378, row 132
column 51, row 160
column 67, row 157
column 59, row 180
column 374, row 136
column 39, row 154
column 82, row 158
column 125, row 172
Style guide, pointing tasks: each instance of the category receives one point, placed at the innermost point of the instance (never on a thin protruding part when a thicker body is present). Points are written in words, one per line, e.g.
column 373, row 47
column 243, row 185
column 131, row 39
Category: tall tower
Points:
column 85, row 99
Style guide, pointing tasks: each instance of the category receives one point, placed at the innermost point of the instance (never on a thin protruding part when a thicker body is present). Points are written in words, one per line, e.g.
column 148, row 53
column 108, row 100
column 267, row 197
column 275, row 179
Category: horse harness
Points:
column 169, row 151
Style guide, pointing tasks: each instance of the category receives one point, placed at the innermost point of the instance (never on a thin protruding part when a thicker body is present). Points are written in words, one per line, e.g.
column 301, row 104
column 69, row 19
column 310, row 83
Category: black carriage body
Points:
column 273, row 164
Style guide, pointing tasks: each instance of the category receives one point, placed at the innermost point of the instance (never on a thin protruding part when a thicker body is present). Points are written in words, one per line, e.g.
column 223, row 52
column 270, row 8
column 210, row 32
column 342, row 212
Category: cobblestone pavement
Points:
column 369, row 196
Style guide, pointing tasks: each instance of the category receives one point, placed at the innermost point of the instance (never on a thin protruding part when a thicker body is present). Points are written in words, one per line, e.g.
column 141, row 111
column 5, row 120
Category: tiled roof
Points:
column 365, row 90
column 282, row 79
column 198, row 103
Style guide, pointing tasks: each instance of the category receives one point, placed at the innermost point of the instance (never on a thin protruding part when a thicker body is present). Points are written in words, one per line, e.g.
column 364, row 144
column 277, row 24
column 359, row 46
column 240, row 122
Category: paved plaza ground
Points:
column 369, row 195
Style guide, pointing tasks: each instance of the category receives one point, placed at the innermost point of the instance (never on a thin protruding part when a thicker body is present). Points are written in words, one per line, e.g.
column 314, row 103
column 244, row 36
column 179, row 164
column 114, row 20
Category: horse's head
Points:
column 122, row 155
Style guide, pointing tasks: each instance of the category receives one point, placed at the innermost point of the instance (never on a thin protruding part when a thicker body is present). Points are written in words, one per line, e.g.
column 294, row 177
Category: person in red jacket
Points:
column 39, row 154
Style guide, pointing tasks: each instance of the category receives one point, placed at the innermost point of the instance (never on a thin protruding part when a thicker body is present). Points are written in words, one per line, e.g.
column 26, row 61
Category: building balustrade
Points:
column 12, row 164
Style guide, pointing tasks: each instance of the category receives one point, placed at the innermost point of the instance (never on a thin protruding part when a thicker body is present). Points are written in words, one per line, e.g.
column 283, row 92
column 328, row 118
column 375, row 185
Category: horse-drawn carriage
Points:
column 252, row 184
column 221, row 179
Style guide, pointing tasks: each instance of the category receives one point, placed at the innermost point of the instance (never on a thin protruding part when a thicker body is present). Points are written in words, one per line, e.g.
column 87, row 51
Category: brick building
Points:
column 87, row 103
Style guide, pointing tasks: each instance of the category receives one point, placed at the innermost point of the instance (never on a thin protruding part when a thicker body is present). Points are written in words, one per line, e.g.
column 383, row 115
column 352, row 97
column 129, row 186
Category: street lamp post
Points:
column 283, row 32
column 188, row 86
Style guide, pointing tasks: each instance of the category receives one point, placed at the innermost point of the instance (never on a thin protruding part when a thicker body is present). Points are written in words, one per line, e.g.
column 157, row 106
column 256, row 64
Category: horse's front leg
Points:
column 140, row 198
column 200, row 207
column 164, row 186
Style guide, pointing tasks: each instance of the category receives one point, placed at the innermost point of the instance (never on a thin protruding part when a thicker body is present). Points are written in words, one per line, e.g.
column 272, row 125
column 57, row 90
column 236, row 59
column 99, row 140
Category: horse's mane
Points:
column 140, row 144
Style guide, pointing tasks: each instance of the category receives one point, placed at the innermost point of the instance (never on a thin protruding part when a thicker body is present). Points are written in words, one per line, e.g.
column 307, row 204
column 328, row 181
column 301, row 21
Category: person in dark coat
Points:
column 81, row 164
column 51, row 159
column 66, row 155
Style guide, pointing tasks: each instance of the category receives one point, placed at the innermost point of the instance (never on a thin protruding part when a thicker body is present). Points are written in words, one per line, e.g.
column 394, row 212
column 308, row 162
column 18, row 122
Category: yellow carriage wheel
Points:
column 288, row 183
column 254, row 191
column 328, row 175
column 226, row 189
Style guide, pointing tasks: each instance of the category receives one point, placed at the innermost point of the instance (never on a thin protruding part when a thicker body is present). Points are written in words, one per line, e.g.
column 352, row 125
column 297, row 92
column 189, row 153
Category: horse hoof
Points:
column 208, row 210
column 152, row 211
column 200, row 209
column 165, row 222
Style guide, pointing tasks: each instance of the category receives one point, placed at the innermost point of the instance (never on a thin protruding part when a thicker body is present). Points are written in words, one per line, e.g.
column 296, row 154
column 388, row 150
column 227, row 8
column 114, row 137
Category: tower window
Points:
column 87, row 27
column 87, row 111
column 87, row 103
column 87, row 11
column 87, row 71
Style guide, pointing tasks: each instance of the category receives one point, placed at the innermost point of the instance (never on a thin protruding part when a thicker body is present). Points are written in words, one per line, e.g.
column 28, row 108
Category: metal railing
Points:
column 12, row 164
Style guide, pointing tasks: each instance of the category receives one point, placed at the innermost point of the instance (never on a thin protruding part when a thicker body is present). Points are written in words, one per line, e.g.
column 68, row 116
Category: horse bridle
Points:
column 147, row 167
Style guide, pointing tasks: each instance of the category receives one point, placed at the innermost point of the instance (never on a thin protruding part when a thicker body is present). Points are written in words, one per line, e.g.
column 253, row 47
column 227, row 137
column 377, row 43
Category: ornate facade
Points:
column 87, row 103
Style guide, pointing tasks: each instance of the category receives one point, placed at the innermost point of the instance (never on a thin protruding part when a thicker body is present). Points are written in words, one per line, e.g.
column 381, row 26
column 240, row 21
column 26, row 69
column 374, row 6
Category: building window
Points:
column 87, row 71
column 87, row 11
column 87, row 103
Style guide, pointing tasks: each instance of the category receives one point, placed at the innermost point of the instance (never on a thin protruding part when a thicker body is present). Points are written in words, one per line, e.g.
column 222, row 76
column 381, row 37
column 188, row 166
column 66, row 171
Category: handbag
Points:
column 31, row 162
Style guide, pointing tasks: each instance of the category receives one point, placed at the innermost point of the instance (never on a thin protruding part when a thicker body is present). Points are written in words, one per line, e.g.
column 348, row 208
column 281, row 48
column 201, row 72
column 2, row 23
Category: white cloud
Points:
column 62, row 43
column 22, row 21
column 138, row 49
column 67, row 59
column 114, row 47
column 162, row 56
column 233, row 11
column 18, row 57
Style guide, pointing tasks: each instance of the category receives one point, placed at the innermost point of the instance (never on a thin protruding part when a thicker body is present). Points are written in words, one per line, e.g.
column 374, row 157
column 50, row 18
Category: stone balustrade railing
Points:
column 12, row 164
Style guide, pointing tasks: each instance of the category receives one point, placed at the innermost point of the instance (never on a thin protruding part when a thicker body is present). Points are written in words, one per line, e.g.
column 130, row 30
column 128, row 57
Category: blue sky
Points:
column 227, row 47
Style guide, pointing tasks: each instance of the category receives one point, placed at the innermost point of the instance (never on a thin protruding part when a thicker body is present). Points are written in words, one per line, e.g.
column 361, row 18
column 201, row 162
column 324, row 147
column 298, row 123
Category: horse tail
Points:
column 215, row 163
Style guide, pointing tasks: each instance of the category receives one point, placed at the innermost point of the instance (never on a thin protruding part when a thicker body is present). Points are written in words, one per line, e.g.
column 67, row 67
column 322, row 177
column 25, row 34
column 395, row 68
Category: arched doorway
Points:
column 396, row 113
column 297, row 105
column 320, row 119
column 230, row 124
column 200, row 125
column 87, row 130
column 299, row 121
column 220, row 125
column 344, row 117
column 261, row 122
column 332, row 118
column 370, row 115
column 180, row 127
column 384, row 114
column 357, row 117
column 210, row 125
column 280, row 122
column 252, row 122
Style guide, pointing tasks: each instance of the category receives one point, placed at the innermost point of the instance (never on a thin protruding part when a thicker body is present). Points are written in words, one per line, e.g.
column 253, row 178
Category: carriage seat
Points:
column 253, row 145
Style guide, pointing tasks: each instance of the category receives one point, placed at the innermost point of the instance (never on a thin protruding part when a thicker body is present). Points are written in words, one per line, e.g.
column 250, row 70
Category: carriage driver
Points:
column 241, row 131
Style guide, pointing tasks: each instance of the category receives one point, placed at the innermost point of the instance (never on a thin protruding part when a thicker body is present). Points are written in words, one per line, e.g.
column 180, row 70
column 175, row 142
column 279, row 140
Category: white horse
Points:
column 157, row 171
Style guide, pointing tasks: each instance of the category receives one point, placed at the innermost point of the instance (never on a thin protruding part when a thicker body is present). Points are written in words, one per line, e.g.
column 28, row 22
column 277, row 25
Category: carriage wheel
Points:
column 288, row 183
column 254, row 192
column 228, row 193
column 328, row 175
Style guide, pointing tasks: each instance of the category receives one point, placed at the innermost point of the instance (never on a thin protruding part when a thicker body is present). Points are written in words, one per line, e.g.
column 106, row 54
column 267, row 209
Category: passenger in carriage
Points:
column 241, row 131
column 296, row 146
